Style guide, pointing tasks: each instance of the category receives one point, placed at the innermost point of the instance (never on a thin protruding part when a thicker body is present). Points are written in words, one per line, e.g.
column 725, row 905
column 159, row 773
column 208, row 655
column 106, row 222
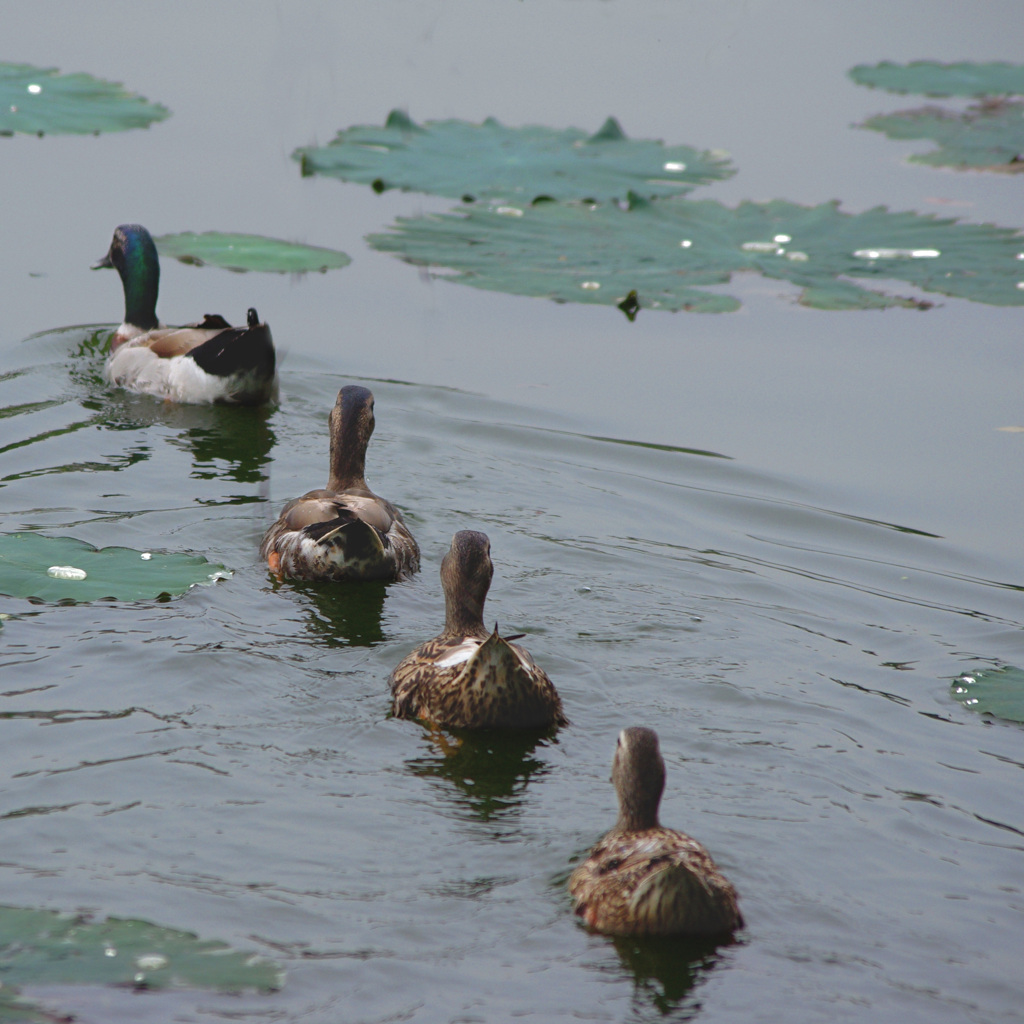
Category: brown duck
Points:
column 643, row 878
column 467, row 677
column 343, row 531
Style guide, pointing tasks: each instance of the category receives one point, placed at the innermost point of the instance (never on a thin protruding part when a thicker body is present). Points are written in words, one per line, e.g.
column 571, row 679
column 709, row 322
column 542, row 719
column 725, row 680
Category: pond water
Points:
column 774, row 536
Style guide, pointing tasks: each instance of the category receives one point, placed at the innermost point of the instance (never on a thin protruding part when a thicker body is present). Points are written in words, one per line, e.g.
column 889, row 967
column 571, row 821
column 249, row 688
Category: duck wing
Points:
column 226, row 351
column 430, row 668
column 341, row 536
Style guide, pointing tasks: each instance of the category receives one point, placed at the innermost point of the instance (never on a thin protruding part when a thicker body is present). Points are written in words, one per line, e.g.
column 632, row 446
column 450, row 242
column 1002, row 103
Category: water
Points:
column 774, row 537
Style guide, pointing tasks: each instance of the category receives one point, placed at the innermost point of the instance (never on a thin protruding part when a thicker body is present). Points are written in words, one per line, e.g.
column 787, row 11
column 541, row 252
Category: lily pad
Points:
column 249, row 252
column 668, row 252
column 66, row 569
column 36, row 101
column 930, row 78
column 997, row 691
column 522, row 165
column 986, row 136
column 43, row 947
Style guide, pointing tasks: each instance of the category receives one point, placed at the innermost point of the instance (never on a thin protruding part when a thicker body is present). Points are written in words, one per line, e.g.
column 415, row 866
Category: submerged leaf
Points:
column 930, row 78
column 986, row 136
column 249, row 252
column 66, row 569
column 520, row 165
column 670, row 251
column 37, row 101
column 997, row 691
column 42, row 947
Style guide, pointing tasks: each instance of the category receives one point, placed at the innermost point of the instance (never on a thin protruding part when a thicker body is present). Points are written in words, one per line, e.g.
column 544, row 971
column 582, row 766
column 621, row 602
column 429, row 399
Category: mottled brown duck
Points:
column 343, row 531
column 643, row 878
column 468, row 677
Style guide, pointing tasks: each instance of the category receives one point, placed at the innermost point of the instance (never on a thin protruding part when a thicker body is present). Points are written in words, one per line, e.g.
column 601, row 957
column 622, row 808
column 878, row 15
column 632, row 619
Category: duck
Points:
column 468, row 677
column 343, row 531
column 642, row 878
column 205, row 362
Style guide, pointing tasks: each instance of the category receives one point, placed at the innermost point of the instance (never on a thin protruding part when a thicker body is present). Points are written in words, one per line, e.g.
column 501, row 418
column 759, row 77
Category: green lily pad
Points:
column 43, row 947
column 930, row 78
column 997, row 691
column 522, row 165
column 668, row 252
column 986, row 136
column 36, row 101
column 249, row 252
column 65, row 569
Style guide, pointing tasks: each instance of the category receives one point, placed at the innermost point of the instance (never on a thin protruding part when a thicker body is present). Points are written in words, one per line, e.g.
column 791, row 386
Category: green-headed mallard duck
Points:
column 344, row 531
column 209, row 361
column 643, row 878
column 467, row 677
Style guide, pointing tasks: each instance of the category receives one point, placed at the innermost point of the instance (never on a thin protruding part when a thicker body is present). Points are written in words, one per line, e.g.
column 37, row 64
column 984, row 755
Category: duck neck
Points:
column 464, row 614
column 637, row 817
column 348, row 466
column 639, row 796
column 141, row 280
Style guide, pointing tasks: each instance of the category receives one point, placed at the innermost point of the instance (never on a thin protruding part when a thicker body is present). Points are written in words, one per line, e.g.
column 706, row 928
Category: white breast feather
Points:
column 179, row 378
column 460, row 654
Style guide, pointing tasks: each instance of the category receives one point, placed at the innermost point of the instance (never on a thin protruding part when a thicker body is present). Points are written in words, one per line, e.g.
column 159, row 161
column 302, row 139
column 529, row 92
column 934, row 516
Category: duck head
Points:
column 466, row 572
column 132, row 254
column 638, row 773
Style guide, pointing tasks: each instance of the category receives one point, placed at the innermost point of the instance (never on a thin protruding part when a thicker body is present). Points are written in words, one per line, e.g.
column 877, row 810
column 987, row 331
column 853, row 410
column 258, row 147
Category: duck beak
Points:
column 103, row 264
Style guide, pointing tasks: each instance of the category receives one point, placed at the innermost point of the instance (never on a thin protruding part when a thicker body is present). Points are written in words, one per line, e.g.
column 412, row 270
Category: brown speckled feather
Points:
column 654, row 882
column 343, row 537
column 472, row 684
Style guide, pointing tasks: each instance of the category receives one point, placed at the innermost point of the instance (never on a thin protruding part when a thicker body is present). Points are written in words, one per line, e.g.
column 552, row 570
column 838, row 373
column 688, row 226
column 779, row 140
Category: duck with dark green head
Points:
column 343, row 531
column 468, row 677
column 208, row 361
column 643, row 878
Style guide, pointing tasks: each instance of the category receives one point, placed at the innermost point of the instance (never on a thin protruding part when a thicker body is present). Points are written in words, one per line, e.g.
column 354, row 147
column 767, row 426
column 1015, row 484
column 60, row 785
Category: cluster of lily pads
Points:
column 605, row 219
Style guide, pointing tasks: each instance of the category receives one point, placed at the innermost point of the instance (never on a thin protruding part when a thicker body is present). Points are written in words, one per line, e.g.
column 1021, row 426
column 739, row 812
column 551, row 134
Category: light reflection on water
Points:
column 225, row 762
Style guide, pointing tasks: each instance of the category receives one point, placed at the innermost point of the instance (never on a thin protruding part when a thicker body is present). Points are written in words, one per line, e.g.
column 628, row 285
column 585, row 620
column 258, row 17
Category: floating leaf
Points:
column 51, row 568
column 522, row 165
column 43, row 947
column 40, row 100
column 671, row 250
column 249, row 252
column 998, row 691
column 930, row 78
column 986, row 136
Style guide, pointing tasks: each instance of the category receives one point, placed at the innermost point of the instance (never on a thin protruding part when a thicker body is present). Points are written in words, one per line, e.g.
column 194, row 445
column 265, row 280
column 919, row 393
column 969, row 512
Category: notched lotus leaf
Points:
column 512, row 165
column 669, row 252
column 987, row 136
column 997, row 691
column 249, row 252
column 930, row 78
column 39, row 101
column 62, row 569
column 42, row 947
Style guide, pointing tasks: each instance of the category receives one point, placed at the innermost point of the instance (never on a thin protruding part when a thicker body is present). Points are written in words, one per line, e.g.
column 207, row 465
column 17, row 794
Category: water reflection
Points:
column 341, row 614
column 229, row 442
column 666, row 971
column 489, row 770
